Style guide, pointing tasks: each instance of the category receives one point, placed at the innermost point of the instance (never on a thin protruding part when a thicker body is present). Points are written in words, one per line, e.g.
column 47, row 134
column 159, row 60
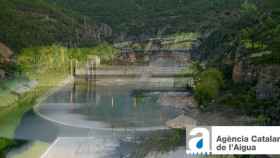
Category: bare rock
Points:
column 5, row 53
column 266, row 76
column 105, row 30
column 245, row 72
column 178, row 100
column 24, row 87
column 2, row 74
column 268, row 82
column 94, row 32
column 181, row 122
column 223, row 119
column 237, row 70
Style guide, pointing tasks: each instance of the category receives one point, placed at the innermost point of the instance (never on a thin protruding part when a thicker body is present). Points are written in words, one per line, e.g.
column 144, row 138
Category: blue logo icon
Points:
column 199, row 144
column 198, row 141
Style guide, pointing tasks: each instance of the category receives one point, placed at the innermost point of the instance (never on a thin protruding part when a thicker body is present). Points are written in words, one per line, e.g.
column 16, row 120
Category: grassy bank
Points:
column 6, row 97
column 11, row 117
column 49, row 66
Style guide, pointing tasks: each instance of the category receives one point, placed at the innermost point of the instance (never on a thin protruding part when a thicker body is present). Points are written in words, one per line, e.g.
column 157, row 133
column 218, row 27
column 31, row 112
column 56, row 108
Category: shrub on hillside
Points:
column 207, row 86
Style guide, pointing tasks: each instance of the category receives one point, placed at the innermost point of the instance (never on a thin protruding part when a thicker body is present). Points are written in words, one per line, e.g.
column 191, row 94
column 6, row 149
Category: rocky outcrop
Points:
column 104, row 30
column 2, row 74
column 268, row 85
column 244, row 72
column 94, row 32
column 22, row 88
column 5, row 58
column 181, row 100
column 5, row 53
column 181, row 122
column 266, row 76
column 237, row 72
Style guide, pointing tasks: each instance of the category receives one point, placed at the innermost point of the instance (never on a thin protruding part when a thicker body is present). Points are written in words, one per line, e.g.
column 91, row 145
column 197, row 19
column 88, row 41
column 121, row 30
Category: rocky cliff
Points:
column 265, row 77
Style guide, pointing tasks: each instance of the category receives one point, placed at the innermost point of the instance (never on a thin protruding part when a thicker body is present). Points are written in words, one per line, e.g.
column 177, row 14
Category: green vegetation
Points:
column 49, row 66
column 105, row 51
column 207, row 86
column 242, row 97
column 43, row 63
column 6, row 144
column 48, row 34
column 152, row 17
column 253, row 30
column 249, row 35
column 180, row 40
column 44, row 60
column 26, row 23
column 11, row 117
column 160, row 142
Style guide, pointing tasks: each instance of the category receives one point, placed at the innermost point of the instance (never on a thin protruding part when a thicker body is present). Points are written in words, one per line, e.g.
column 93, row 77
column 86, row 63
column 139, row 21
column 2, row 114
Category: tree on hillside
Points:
column 207, row 86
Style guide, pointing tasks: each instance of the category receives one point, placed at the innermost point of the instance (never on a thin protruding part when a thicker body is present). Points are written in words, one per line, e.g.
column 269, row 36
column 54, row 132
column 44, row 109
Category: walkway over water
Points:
column 130, row 71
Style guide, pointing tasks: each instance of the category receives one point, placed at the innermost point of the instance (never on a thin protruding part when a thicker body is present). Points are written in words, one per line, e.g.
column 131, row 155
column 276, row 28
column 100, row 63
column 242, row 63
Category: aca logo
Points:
column 198, row 141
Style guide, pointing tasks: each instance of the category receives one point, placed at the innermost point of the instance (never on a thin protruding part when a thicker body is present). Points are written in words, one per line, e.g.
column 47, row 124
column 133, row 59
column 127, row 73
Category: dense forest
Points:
column 36, row 23
column 82, row 23
column 149, row 17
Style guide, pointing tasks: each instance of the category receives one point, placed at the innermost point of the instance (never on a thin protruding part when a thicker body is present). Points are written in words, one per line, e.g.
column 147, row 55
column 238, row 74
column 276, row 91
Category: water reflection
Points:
column 95, row 111
column 96, row 106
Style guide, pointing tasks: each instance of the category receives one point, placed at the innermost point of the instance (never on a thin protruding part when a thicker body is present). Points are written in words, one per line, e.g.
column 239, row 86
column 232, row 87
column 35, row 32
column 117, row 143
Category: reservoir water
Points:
column 108, row 118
